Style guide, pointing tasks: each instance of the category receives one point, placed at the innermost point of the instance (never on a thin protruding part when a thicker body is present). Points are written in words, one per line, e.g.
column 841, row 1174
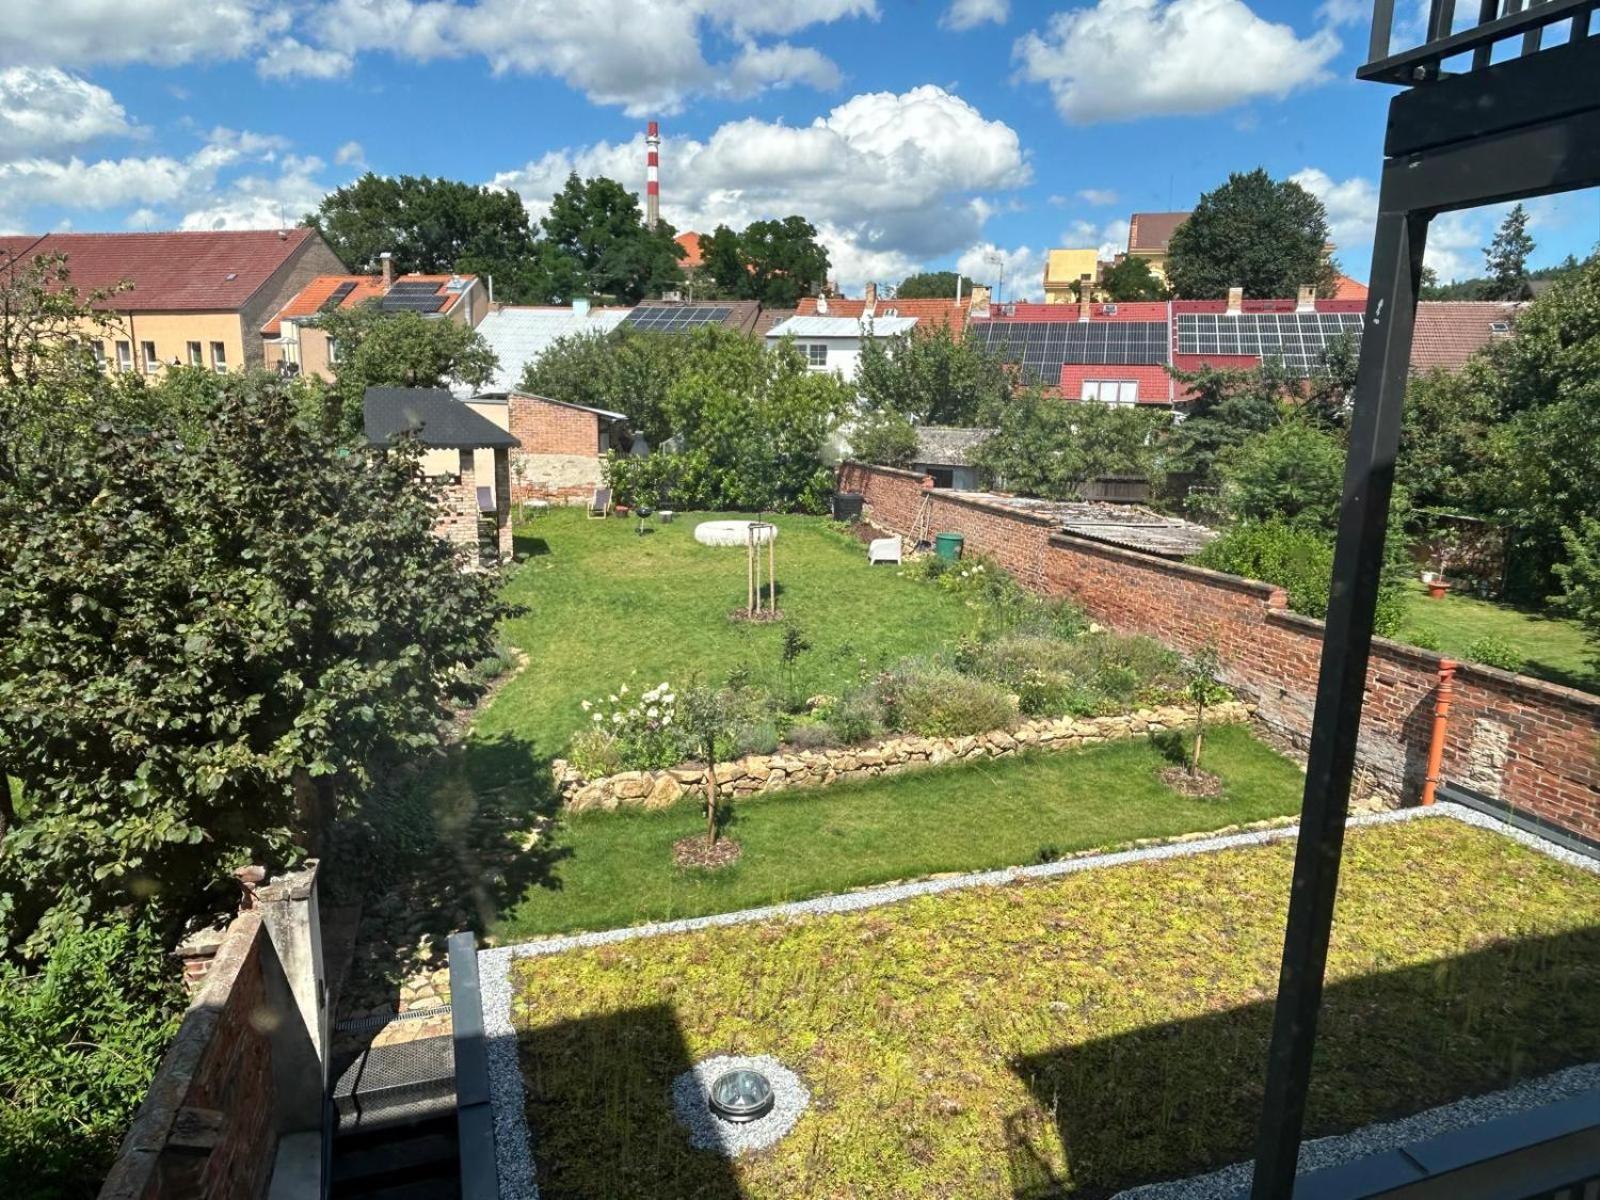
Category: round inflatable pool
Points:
column 732, row 533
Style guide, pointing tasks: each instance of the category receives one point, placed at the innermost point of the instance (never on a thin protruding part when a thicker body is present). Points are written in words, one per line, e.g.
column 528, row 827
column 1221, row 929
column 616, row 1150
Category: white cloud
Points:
column 1123, row 59
column 75, row 33
column 1018, row 271
column 290, row 58
column 44, row 107
column 1352, row 204
column 350, row 155
column 891, row 181
column 1344, row 12
column 1097, row 196
column 969, row 14
column 1109, row 239
column 780, row 65
column 262, row 201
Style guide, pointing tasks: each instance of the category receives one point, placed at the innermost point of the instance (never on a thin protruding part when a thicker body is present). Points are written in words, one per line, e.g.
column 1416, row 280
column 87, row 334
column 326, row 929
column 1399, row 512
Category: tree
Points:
column 1266, row 236
column 1132, row 279
column 627, row 370
column 1579, row 577
column 775, row 262
column 435, row 226
column 596, row 225
column 1047, row 447
column 205, row 645
column 722, row 262
column 703, row 712
column 934, row 285
column 884, row 437
column 1293, row 472
column 1228, row 407
column 933, row 377
column 397, row 349
column 1203, row 685
column 1330, row 396
column 1506, row 258
column 1445, row 440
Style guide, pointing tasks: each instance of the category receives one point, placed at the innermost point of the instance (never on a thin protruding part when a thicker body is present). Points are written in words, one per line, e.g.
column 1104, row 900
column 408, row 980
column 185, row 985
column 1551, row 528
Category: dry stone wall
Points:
column 759, row 774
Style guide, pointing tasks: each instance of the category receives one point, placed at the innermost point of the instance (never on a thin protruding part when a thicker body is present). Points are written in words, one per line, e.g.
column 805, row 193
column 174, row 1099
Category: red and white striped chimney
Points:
column 652, row 186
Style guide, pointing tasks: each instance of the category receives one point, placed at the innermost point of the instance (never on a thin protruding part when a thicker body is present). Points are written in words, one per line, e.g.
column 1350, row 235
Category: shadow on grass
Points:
column 614, row 1074
column 1183, row 1097
column 526, row 545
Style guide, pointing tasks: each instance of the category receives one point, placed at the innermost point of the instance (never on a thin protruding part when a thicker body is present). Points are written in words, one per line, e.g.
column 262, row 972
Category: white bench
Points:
column 885, row 550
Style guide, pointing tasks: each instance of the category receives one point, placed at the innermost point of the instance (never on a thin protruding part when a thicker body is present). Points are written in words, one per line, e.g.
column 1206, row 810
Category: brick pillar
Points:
column 502, row 501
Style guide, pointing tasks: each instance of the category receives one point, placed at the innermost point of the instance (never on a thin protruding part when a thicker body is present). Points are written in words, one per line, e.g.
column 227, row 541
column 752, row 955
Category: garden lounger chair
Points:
column 883, row 550
column 600, row 506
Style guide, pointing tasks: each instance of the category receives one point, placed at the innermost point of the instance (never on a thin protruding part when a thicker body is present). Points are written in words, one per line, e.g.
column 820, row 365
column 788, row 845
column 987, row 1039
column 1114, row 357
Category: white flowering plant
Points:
column 627, row 731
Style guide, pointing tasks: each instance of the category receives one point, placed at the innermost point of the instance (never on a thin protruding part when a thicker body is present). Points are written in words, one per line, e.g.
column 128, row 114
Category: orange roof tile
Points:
column 1345, row 288
column 1448, row 332
column 311, row 299
column 927, row 312
column 691, row 250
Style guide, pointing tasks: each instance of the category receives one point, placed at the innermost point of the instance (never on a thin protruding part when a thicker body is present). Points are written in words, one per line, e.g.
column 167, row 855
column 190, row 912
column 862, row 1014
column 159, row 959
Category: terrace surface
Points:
column 1068, row 1036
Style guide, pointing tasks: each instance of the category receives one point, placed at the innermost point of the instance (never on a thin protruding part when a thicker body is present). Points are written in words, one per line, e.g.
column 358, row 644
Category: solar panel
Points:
column 414, row 287
column 337, row 298
column 1297, row 340
column 1042, row 348
column 660, row 318
column 414, row 302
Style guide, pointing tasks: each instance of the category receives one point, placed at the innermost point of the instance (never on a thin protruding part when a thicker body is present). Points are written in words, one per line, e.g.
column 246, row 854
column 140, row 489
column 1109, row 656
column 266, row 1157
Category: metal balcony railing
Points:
column 1499, row 23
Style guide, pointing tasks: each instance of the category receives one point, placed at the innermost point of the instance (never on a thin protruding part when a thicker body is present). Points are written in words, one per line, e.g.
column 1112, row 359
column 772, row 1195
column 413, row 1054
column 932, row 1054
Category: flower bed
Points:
column 761, row 773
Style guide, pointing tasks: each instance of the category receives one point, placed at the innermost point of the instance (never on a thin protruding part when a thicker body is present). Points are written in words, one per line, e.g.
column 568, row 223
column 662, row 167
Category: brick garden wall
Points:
column 1530, row 744
column 560, row 456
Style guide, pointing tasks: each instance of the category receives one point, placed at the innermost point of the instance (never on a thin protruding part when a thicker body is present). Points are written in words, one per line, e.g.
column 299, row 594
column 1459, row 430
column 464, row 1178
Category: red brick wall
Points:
column 560, row 455
column 1531, row 744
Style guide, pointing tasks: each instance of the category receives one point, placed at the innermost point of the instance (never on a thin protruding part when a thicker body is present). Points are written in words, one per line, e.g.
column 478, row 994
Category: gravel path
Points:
column 512, row 1137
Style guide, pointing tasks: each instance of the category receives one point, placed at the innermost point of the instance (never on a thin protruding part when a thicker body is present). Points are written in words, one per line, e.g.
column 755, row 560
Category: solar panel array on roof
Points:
column 1042, row 348
column 415, row 287
column 337, row 298
column 1298, row 340
column 675, row 318
column 397, row 301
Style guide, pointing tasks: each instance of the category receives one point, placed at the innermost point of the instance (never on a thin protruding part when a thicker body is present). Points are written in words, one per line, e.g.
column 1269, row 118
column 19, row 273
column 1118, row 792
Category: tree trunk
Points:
column 313, row 803
column 1199, row 737
column 711, row 801
column 8, row 813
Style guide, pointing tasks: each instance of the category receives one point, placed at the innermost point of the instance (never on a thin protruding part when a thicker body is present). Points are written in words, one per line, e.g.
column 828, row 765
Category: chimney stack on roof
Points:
column 652, row 175
column 1085, row 297
column 387, row 260
column 872, row 299
column 1307, row 299
column 1235, row 301
column 979, row 300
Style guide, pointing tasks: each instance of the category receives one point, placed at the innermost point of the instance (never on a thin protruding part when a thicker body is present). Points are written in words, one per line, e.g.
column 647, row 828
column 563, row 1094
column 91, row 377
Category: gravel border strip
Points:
column 513, row 1143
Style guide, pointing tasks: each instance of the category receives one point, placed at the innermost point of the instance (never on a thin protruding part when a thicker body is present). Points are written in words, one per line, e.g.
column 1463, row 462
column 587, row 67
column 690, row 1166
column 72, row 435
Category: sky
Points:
column 915, row 134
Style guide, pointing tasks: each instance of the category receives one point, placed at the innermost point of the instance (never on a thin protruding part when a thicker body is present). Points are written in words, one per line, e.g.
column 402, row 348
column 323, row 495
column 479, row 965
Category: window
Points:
column 124, row 356
column 196, row 358
column 219, row 358
column 152, row 362
column 816, row 354
column 1111, row 391
column 333, row 350
column 98, row 349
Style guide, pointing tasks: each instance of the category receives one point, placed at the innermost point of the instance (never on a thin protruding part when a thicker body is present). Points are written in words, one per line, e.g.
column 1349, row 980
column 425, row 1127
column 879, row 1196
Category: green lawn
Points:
column 612, row 869
column 1061, row 1037
column 1555, row 649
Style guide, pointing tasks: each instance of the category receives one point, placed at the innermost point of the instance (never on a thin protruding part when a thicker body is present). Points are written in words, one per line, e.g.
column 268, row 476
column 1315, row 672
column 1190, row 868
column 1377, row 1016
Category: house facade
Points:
column 834, row 343
column 193, row 299
column 562, row 447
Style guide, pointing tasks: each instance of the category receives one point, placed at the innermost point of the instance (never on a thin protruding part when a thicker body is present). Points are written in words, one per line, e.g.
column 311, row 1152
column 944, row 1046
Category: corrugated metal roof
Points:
column 852, row 327
column 518, row 336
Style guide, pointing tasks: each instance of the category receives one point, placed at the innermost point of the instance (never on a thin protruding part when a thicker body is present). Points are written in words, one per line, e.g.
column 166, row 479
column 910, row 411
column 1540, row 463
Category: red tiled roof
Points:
column 927, row 312
column 1133, row 310
column 1345, row 288
column 1153, row 231
column 1155, row 385
column 1263, row 306
column 1448, row 332
column 210, row 271
column 690, row 242
column 309, row 300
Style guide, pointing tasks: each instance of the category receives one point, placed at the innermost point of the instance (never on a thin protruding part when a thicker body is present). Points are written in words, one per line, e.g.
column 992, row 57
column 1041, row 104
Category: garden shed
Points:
column 469, row 499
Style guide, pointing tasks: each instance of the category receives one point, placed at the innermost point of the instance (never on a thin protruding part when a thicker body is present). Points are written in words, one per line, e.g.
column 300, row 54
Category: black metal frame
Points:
column 480, row 1179
column 1495, row 132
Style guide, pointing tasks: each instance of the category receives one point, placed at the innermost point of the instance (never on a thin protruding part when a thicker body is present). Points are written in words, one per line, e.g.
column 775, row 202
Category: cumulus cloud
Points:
column 1123, row 59
column 891, row 181
column 290, row 58
column 1019, row 270
column 1097, row 196
column 1352, row 204
column 969, row 14
column 262, row 201
column 74, row 33
column 44, row 107
column 350, row 155
column 780, row 65
column 1109, row 239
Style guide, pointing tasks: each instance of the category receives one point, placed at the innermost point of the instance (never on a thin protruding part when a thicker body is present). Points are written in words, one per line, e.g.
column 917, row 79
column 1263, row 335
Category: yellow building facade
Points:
column 1063, row 270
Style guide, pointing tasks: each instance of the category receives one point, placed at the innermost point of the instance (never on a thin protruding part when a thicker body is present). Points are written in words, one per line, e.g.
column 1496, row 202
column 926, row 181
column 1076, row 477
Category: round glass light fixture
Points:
column 741, row 1096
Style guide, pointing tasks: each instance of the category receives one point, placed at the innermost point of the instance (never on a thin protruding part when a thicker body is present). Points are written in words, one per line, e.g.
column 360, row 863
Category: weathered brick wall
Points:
column 1530, row 744
column 456, row 504
column 206, row 1131
column 560, row 455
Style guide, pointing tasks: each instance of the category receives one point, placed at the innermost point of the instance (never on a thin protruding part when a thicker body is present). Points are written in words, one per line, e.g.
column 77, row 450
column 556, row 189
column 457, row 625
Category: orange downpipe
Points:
column 1441, row 721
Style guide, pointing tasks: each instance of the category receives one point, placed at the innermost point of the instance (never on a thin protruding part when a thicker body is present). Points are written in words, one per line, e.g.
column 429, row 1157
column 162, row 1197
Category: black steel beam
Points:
column 1341, row 687
column 474, row 1106
column 1401, row 68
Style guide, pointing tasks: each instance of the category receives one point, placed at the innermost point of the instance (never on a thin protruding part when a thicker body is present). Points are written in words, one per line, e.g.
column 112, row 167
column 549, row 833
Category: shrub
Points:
column 594, row 752
column 856, row 717
column 753, row 737
column 637, row 733
column 815, row 735
column 1426, row 640
column 1492, row 650
column 1300, row 561
column 79, row 1043
column 935, row 701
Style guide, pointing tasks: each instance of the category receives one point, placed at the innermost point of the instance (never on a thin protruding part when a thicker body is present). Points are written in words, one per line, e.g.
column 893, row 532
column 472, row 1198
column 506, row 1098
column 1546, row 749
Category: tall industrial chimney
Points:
column 652, row 186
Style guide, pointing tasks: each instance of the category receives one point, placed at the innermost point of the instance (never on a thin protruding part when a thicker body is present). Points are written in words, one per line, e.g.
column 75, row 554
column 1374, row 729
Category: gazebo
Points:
column 441, row 424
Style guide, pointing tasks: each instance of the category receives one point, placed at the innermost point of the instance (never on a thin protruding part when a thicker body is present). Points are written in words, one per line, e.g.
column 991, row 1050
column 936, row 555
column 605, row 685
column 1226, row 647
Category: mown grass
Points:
column 616, row 868
column 1066, row 1037
column 1553, row 648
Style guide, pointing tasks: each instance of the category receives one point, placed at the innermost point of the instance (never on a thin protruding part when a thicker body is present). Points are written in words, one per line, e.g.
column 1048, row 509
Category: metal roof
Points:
column 518, row 336
column 842, row 327
column 436, row 417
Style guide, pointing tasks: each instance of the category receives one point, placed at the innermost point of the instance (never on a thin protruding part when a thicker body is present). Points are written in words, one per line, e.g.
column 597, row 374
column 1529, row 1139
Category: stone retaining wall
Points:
column 762, row 773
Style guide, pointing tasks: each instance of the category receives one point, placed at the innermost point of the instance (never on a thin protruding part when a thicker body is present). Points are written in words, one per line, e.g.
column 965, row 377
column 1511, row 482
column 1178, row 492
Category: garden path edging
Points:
column 513, row 1139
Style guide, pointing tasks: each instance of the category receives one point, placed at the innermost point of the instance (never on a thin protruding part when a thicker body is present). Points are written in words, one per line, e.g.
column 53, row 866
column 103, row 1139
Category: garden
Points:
column 1061, row 1036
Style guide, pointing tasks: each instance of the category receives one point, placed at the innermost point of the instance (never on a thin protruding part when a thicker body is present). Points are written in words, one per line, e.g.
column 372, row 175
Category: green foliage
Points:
column 79, row 1043
column 597, row 235
column 933, row 377
column 1229, row 407
column 1254, row 232
column 1506, row 258
column 1132, row 279
column 934, row 700
column 884, row 437
column 1478, row 289
column 1299, row 560
column 397, row 349
column 1579, row 577
column 1047, row 448
column 775, row 262
column 1495, row 651
column 1291, row 473
column 435, row 227
column 627, row 370
column 1446, row 439
column 205, row 644
column 934, row 285
column 854, row 717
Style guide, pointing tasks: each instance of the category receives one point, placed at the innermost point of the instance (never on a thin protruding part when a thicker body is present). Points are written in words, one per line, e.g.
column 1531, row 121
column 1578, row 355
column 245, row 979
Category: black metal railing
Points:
column 1498, row 23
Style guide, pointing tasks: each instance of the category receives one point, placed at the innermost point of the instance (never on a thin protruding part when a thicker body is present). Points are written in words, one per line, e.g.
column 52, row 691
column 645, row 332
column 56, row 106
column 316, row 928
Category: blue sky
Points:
column 912, row 132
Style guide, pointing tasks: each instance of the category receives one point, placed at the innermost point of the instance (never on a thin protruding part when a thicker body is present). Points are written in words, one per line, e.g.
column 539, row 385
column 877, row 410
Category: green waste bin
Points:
column 948, row 546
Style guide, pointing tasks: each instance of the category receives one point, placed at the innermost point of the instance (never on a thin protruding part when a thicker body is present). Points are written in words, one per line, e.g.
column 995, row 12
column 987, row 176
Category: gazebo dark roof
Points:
column 436, row 417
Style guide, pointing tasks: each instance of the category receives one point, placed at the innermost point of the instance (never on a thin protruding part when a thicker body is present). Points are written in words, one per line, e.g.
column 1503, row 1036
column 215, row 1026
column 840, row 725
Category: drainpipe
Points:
column 1441, row 721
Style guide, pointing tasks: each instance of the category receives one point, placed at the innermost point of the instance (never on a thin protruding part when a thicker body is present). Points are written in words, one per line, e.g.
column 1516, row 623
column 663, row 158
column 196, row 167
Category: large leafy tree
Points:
column 1267, row 236
column 1228, row 408
column 933, row 285
column 435, row 226
column 1043, row 446
column 595, row 226
column 627, row 370
column 1132, row 279
column 775, row 262
column 933, row 377
column 1506, row 258
column 1293, row 473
